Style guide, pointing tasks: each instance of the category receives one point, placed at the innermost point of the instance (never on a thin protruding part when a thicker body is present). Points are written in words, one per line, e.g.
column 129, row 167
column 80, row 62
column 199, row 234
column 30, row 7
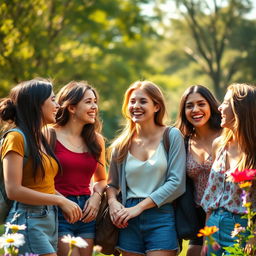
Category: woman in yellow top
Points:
column 29, row 107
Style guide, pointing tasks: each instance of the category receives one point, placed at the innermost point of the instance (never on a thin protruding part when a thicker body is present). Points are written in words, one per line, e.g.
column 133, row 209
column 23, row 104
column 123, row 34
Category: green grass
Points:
column 1, row 229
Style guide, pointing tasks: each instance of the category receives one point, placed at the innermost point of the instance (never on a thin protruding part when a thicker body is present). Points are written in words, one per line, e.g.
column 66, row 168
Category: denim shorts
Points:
column 225, row 221
column 84, row 230
column 41, row 233
column 154, row 229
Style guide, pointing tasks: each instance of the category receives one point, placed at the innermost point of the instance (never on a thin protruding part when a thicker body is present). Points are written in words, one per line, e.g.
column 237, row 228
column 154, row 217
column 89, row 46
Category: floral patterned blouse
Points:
column 221, row 193
column 199, row 173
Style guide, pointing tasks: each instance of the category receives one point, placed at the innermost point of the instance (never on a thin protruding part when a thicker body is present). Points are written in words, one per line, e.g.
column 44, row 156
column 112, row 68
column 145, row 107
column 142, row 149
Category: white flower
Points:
column 8, row 240
column 238, row 229
column 97, row 248
column 15, row 228
column 74, row 241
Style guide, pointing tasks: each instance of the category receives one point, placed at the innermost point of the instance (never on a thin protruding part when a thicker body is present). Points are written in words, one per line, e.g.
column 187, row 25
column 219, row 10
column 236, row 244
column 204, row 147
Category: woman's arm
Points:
column 114, row 207
column 174, row 185
column 123, row 215
column 92, row 205
column 13, row 170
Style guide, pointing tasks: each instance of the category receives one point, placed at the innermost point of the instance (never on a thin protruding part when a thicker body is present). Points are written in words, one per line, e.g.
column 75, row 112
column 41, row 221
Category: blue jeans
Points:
column 225, row 221
column 41, row 233
column 154, row 229
column 84, row 230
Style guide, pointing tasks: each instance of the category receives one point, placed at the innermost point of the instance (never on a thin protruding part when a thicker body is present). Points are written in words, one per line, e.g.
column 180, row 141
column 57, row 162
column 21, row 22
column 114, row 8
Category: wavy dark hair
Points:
column 23, row 108
column 183, row 124
column 72, row 94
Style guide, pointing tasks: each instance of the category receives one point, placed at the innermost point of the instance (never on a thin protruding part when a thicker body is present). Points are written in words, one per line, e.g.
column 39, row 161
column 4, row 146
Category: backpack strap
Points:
column 52, row 138
column 26, row 149
column 166, row 138
column 186, row 139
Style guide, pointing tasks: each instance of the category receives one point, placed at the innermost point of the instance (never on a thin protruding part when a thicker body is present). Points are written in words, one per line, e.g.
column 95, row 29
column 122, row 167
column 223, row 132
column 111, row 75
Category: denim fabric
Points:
column 153, row 229
column 85, row 230
column 41, row 233
column 225, row 221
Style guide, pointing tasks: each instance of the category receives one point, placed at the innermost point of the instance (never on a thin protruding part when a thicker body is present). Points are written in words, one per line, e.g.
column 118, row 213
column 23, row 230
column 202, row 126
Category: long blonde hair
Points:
column 243, row 103
column 122, row 143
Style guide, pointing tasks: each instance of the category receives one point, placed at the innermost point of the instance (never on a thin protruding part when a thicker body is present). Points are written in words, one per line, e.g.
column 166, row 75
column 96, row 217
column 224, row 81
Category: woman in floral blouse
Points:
column 199, row 121
column 234, row 149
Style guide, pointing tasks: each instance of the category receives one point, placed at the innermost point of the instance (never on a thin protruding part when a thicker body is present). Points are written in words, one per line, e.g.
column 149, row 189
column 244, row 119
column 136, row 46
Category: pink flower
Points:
column 245, row 175
column 215, row 246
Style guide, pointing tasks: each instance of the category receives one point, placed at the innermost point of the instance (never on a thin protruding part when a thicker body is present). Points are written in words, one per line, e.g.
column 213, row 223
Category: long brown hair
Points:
column 243, row 103
column 72, row 94
column 122, row 143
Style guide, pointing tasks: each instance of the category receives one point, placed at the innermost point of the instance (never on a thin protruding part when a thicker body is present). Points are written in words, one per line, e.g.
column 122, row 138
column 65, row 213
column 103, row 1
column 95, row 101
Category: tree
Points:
column 212, row 25
column 101, row 41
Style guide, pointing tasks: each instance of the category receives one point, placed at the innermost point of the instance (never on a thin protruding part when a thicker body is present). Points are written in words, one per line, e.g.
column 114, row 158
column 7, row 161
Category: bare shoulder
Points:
column 101, row 138
column 215, row 145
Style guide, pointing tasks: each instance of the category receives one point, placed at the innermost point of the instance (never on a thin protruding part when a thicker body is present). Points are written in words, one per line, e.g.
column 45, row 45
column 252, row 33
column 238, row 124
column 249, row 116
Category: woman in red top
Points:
column 81, row 152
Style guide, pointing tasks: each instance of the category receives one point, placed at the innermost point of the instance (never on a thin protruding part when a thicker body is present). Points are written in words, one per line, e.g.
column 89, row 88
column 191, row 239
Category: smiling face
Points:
column 141, row 107
column 49, row 109
column 197, row 110
column 86, row 109
column 227, row 114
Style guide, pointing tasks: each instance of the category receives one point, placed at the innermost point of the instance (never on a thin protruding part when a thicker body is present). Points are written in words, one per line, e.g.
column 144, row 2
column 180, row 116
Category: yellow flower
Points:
column 245, row 184
column 248, row 204
column 207, row 231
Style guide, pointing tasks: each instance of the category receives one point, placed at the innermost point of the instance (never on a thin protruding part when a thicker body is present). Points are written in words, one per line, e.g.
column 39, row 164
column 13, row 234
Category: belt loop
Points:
column 15, row 205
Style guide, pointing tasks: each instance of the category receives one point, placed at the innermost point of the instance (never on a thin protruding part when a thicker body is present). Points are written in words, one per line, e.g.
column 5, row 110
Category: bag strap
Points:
column 186, row 139
column 53, row 138
column 166, row 138
column 26, row 152
column 26, row 149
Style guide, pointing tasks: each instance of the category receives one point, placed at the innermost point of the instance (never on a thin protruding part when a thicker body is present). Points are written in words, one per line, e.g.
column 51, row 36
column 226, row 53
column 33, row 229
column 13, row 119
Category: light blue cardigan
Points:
column 174, row 184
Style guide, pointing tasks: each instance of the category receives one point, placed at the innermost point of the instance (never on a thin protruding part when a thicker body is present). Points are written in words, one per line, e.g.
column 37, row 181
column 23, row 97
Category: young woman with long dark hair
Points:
column 30, row 106
column 80, row 149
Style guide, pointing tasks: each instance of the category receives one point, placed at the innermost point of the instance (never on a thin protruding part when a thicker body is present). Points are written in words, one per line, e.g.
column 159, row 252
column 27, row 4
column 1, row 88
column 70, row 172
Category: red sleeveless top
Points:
column 77, row 171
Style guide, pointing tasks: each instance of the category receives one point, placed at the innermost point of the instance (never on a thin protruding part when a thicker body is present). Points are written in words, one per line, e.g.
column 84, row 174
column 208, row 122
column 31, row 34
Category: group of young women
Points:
column 65, row 175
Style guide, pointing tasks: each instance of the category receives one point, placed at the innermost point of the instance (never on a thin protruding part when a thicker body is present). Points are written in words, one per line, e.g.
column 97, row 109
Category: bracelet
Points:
column 98, row 193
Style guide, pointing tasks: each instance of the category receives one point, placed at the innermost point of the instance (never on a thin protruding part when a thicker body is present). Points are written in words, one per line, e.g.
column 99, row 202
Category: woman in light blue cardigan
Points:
column 148, row 176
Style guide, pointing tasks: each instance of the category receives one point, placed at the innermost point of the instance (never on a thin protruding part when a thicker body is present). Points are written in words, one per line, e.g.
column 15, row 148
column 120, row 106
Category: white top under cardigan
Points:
column 174, row 183
column 144, row 177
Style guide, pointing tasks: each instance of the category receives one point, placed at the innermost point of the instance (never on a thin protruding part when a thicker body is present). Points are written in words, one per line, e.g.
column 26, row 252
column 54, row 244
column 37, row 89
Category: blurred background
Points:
column 112, row 43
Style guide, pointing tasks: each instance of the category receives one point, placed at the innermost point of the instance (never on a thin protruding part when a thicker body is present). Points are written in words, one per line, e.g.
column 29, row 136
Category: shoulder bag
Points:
column 186, row 216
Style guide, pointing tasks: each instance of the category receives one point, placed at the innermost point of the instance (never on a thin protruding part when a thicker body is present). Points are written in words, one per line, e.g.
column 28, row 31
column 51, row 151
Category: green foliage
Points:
column 99, row 41
column 209, row 34
column 112, row 43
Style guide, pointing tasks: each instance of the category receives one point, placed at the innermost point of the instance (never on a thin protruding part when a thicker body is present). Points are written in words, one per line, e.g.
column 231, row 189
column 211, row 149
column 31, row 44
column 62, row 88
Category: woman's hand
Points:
column 91, row 208
column 114, row 208
column 125, row 214
column 71, row 210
